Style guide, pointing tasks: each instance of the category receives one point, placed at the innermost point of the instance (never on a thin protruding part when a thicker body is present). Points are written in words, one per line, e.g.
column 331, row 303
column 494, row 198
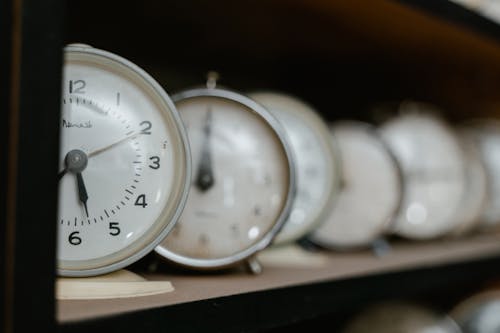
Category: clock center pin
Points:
column 76, row 160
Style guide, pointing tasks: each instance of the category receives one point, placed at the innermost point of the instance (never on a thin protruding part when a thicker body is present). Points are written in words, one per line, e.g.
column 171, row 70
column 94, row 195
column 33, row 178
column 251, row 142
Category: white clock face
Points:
column 317, row 165
column 487, row 136
column 434, row 170
column 370, row 193
column 123, row 165
column 241, row 184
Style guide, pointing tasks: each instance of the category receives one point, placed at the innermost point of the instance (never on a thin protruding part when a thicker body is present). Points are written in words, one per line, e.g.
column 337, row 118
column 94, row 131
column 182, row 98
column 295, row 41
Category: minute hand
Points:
column 100, row 150
column 205, row 176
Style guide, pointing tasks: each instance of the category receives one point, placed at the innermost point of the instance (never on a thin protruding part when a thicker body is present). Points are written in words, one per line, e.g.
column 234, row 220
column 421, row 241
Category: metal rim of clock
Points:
column 246, row 253
column 183, row 138
column 391, row 219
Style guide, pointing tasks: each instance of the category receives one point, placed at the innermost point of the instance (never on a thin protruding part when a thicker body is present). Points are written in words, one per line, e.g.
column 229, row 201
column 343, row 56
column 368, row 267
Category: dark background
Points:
column 343, row 57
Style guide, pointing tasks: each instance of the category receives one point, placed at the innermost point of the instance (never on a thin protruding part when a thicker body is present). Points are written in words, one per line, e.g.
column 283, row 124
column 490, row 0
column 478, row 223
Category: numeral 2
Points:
column 147, row 127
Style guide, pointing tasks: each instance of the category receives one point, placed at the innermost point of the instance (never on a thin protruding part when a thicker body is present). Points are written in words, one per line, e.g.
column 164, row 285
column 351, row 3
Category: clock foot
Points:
column 253, row 266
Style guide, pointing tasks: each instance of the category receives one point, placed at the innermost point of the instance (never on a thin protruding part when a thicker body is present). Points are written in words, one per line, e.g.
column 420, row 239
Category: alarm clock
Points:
column 125, row 163
column 433, row 165
column 316, row 158
column 370, row 191
column 243, row 181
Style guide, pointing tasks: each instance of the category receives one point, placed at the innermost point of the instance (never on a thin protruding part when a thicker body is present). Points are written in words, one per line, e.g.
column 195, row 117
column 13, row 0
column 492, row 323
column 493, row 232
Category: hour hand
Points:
column 82, row 191
column 205, row 178
column 61, row 173
column 75, row 162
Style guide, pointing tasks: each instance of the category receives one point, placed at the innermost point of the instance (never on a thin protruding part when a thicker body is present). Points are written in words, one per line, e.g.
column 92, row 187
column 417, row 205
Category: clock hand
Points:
column 82, row 191
column 100, row 150
column 205, row 177
column 97, row 151
column 75, row 162
column 61, row 173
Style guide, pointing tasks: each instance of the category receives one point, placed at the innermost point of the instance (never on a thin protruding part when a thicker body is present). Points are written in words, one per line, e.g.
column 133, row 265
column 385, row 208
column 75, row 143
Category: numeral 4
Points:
column 141, row 201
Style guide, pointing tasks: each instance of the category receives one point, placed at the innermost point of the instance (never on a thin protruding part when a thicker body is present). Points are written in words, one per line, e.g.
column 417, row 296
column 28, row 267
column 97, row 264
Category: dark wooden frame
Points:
column 32, row 46
column 5, row 60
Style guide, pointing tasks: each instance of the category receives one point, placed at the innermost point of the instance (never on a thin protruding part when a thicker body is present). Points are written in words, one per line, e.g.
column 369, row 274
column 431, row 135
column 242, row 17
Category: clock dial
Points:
column 316, row 160
column 123, row 163
column 371, row 189
column 433, row 165
column 242, row 181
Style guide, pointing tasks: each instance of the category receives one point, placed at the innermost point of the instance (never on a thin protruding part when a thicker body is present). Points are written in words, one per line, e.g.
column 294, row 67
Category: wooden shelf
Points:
column 297, row 272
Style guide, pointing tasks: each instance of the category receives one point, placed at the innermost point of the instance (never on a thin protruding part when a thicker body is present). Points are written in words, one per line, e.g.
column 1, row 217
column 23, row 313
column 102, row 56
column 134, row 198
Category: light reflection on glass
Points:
column 416, row 213
column 158, row 196
column 253, row 232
